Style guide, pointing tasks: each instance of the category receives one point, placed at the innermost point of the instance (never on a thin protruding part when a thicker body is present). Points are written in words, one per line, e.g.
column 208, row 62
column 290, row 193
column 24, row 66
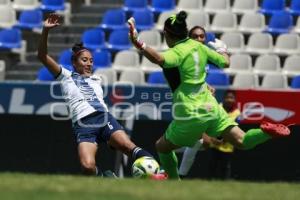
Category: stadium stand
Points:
column 101, row 58
column 224, row 22
column 280, row 22
column 158, row 6
column 118, row 41
column 134, row 76
column 5, row 3
column 114, row 19
column 148, row 66
column 152, row 38
column 30, row 19
column 291, row 66
column 133, row 5
column 197, row 19
column 244, row 6
column 268, row 7
column 274, row 81
column 44, row 75
column 109, row 75
column 252, row 23
column 240, row 63
column 287, row 44
column 267, row 63
column 2, row 70
column 296, row 82
column 8, row 16
column 245, row 80
column 94, row 39
column 65, row 58
column 217, row 6
column 156, row 78
column 191, row 5
column 260, row 43
column 52, row 5
column 235, row 42
column 162, row 18
column 295, row 7
column 144, row 19
column 238, row 24
column 217, row 78
column 126, row 59
column 25, row 4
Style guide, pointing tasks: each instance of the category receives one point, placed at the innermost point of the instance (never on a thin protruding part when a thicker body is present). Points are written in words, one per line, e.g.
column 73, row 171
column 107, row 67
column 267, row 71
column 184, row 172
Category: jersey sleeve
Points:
column 172, row 59
column 63, row 73
column 215, row 57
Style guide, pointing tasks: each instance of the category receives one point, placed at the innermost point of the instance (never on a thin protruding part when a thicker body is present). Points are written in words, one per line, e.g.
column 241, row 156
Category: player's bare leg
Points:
column 87, row 153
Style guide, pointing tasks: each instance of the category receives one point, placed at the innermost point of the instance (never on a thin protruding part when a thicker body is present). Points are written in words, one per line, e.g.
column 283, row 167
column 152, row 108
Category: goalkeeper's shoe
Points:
column 160, row 176
column 275, row 130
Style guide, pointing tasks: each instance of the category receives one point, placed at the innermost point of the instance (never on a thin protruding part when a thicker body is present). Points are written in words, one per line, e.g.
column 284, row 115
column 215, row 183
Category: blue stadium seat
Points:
column 118, row 40
column 30, row 19
column 210, row 36
column 44, row 75
column 65, row 58
column 280, row 22
column 93, row 39
column 158, row 6
column 268, row 7
column 217, row 78
column 144, row 19
column 52, row 5
column 101, row 59
column 10, row 38
column 296, row 82
column 133, row 5
column 156, row 78
column 295, row 7
column 114, row 19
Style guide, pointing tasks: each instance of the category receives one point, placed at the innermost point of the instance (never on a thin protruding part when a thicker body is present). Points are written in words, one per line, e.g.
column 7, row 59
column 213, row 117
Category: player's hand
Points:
column 211, row 89
column 52, row 21
column 219, row 46
column 133, row 35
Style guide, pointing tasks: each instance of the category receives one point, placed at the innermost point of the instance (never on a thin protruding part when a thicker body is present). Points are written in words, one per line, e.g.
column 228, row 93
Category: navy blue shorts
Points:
column 96, row 127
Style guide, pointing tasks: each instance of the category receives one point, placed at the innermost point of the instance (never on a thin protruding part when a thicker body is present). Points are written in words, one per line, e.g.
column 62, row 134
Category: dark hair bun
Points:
column 181, row 16
column 77, row 47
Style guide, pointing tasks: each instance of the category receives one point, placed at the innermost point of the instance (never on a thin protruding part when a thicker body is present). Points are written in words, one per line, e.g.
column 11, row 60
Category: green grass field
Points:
column 43, row 187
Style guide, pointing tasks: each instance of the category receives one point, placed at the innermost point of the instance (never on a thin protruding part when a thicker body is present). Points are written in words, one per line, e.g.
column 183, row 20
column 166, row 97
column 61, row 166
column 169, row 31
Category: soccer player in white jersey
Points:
column 92, row 123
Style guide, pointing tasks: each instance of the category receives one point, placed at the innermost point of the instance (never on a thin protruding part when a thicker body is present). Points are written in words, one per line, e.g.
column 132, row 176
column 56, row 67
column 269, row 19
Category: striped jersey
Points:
column 84, row 95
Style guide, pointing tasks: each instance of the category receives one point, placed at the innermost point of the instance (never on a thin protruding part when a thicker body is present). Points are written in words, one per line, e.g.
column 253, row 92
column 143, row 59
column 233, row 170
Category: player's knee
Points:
column 88, row 166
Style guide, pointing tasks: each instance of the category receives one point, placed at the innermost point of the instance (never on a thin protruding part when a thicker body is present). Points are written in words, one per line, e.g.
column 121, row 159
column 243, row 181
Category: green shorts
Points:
column 196, row 111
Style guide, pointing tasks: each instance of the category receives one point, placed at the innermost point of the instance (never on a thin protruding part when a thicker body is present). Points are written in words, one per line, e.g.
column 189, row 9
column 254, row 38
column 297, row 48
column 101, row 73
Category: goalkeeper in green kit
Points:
column 195, row 110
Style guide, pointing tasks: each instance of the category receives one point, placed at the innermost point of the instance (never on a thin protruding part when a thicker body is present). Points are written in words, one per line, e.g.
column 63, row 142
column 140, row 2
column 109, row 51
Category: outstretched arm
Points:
column 148, row 52
column 51, row 22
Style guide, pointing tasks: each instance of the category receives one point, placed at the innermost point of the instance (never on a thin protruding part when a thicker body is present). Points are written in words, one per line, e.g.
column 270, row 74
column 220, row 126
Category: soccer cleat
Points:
column 275, row 130
column 159, row 176
column 109, row 174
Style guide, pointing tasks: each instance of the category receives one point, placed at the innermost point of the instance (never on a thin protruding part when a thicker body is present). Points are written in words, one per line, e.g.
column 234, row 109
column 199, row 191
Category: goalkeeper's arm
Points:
column 148, row 52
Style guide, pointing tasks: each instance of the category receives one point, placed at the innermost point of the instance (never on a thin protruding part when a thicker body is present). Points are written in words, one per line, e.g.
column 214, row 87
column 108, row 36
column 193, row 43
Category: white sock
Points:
column 189, row 157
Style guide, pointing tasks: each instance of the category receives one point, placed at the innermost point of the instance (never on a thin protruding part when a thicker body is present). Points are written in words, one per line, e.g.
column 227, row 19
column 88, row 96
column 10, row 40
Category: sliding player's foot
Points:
column 275, row 130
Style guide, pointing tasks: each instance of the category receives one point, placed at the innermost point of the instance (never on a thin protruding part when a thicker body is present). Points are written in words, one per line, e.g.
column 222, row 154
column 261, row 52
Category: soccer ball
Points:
column 144, row 167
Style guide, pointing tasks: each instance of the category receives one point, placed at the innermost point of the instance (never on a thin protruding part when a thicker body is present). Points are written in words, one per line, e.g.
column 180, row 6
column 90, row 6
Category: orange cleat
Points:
column 275, row 130
column 159, row 176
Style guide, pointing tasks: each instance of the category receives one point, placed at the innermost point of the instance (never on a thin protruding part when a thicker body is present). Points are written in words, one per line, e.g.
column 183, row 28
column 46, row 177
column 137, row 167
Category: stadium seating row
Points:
column 129, row 59
column 215, row 78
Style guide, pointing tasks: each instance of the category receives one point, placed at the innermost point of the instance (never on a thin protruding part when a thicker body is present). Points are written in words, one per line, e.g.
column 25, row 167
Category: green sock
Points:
column 169, row 162
column 254, row 137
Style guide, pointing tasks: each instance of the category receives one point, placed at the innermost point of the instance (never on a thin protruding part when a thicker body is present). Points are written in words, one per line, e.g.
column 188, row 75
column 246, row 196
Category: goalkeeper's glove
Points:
column 219, row 46
column 133, row 35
